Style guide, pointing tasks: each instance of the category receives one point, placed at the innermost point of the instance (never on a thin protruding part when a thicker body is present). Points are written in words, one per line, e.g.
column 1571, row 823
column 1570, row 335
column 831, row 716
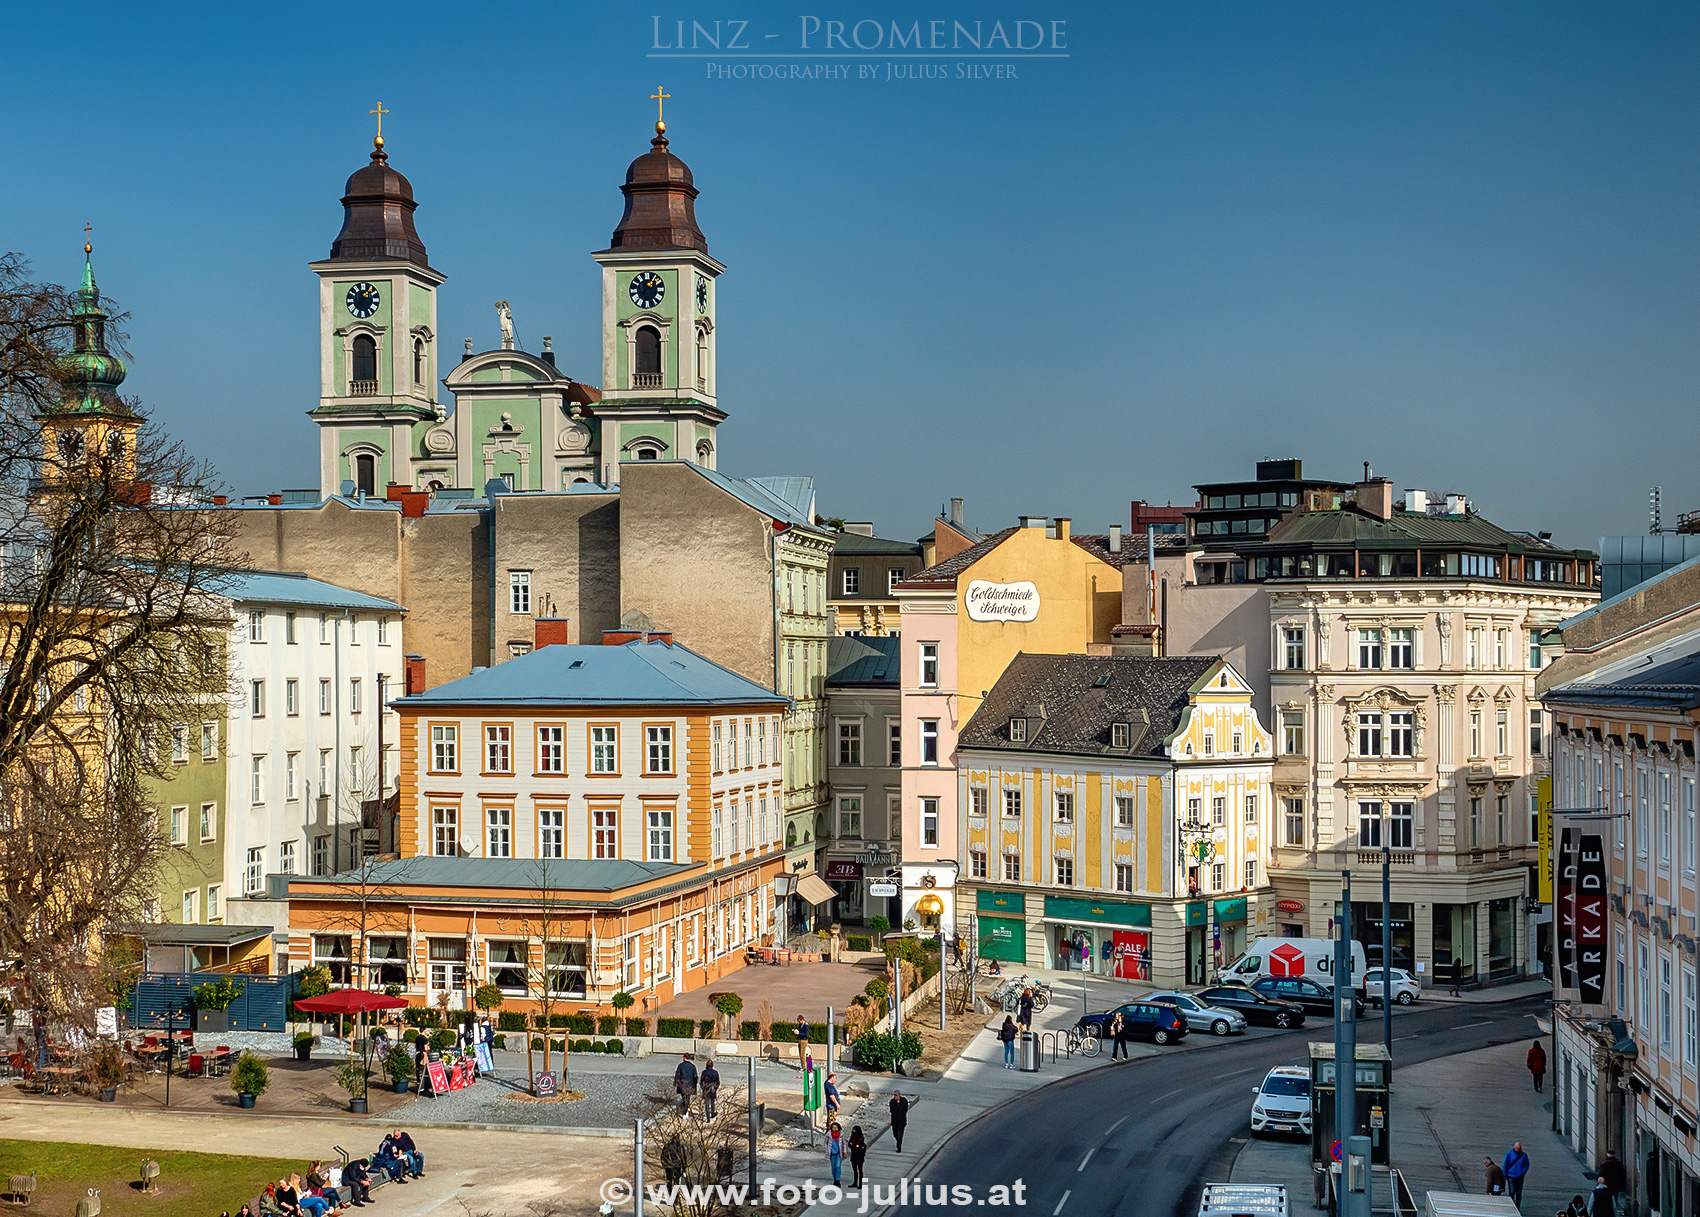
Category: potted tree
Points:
column 730, row 1006
column 108, row 1072
column 249, row 1079
column 398, row 1063
column 304, row 1041
column 212, row 1005
column 351, row 1076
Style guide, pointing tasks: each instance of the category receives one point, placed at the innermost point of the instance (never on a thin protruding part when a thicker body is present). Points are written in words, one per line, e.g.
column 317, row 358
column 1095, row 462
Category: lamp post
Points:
column 1387, row 942
column 170, row 1017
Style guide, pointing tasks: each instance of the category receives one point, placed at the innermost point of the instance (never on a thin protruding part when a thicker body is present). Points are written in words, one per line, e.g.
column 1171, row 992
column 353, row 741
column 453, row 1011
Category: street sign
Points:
column 545, row 1085
column 882, row 889
column 1334, row 1151
column 814, row 1088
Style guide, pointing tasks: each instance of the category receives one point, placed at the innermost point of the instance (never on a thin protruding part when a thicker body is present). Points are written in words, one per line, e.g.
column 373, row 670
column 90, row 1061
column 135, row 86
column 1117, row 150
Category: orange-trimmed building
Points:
column 593, row 818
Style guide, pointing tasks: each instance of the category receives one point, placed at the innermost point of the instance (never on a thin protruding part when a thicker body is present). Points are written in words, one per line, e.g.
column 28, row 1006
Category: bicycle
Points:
column 1084, row 1042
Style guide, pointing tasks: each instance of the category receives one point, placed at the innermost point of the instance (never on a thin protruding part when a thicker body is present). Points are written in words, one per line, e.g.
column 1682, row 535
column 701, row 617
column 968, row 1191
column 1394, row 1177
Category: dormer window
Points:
column 1118, row 735
column 1018, row 731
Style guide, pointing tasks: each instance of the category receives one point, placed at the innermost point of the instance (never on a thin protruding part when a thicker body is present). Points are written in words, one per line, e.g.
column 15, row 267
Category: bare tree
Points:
column 697, row 1154
column 113, row 547
column 549, row 983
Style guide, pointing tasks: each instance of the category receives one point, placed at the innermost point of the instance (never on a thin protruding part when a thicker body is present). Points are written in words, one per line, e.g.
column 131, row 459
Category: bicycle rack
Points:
column 1052, row 1036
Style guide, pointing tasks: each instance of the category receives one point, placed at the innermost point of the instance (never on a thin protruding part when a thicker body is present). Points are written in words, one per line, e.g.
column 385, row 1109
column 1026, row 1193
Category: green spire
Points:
column 92, row 374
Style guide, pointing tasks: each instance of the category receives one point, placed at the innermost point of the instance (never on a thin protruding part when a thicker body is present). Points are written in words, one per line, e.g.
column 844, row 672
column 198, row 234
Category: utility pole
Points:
column 944, row 973
column 1352, row 1203
column 1387, row 942
column 751, row 1096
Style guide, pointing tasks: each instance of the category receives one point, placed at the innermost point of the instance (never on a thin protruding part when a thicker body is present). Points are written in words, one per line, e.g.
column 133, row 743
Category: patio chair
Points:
column 197, row 1065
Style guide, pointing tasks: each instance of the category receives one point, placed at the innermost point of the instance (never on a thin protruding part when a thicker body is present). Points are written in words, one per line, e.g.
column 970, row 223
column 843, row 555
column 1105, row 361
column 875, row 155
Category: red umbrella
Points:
column 350, row 1001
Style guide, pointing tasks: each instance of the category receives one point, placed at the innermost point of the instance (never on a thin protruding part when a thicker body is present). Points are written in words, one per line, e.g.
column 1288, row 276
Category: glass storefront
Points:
column 1454, row 941
column 1502, row 937
column 1366, row 928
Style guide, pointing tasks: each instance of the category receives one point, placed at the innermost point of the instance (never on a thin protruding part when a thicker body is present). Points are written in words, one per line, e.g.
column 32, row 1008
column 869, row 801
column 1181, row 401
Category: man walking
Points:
column 1516, row 1167
column 685, row 1083
column 1495, row 1177
column 1457, row 972
column 899, row 1118
column 1616, row 1177
column 1537, row 1062
column 710, row 1089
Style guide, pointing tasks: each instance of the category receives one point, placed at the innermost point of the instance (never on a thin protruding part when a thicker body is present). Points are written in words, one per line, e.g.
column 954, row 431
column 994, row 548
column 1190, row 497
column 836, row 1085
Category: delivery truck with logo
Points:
column 1306, row 958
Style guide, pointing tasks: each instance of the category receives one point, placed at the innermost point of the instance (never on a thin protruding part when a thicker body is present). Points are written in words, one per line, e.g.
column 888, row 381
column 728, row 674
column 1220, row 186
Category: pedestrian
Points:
column 1024, row 1010
column 835, row 1151
column 1516, row 1166
column 832, row 1099
column 1007, row 1034
column 1616, row 1177
column 858, row 1146
column 899, row 1118
column 710, row 1084
column 1457, row 971
column 673, row 1161
column 39, row 1030
column 1118, row 1038
column 802, row 1034
column 1601, row 1204
column 1495, row 1177
column 685, row 1083
column 1537, row 1062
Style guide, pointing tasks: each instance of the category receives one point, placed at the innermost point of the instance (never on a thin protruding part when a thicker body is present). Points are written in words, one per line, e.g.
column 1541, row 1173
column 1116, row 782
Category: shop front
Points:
column 1000, row 926
column 1197, row 941
column 844, row 876
column 1105, row 937
column 1366, row 928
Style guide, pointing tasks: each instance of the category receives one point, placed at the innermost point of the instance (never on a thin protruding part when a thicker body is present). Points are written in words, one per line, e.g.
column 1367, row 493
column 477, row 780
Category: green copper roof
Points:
column 92, row 375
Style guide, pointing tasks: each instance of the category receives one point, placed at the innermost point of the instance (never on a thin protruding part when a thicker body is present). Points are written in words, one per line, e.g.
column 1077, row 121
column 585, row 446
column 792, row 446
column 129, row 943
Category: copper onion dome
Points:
column 660, row 203
column 377, row 215
column 92, row 374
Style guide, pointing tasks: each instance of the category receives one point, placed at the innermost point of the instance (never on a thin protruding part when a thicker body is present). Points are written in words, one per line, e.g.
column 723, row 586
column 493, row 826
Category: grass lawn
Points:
column 195, row 1185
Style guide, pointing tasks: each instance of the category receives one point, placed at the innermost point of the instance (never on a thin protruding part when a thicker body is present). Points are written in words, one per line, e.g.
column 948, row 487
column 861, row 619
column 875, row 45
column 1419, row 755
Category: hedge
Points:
column 674, row 1028
column 614, row 1046
column 420, row 1016
column 857, row 942
column 580, row 1045
column 608, row 1024
column 510, row 1020
column 408, row 1036
column 705, row 1028
column 501, row 1043
column 749, row 1030
column 637, row 1026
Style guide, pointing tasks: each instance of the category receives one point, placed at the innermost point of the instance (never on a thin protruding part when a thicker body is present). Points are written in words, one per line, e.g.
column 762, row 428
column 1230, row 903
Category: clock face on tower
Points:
column 647, row 289
column 362, row 300
column 702, row 295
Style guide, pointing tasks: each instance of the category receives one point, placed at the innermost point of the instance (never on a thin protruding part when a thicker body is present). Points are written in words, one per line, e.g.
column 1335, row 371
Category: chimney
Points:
column 413, row 675
column 1063, row 525
column 414, row 503
column 956, row 512
column 1115, row 538
column 1032, row 521
column 1457, row 505
column 549, row 632
column 619, row 638
column 861, row 528
column 1416, row 502
column 274, row 500
column 1376, row 497
column 549, row 351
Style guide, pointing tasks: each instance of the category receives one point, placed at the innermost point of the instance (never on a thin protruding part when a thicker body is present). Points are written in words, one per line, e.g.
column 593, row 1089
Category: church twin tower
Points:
column 517, row 417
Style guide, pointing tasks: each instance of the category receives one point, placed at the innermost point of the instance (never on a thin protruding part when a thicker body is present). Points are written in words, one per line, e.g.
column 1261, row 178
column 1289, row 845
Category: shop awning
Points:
column 813, row 890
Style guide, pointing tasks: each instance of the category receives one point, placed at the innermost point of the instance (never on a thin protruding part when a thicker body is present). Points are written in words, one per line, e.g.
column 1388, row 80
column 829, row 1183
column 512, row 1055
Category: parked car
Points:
column 1312, row 958
column 1200, row 1016
column 1405, row 987
column 1283, row 1101
column 1307, row 993
column 1143, row 1020
column 1254, row 1006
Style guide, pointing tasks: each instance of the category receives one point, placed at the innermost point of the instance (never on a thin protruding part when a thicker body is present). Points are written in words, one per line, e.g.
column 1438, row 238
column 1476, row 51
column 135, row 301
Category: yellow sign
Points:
column 1543, row 822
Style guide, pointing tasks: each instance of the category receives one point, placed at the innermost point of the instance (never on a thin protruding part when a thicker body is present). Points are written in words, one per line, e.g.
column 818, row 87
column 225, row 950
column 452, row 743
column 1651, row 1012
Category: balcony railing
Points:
column 363, row 388
column 1399, row 857
column 646, row 380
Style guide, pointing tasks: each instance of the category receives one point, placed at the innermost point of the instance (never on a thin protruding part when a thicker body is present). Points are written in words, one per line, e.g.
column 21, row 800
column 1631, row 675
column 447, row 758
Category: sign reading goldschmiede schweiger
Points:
column 1002, row 601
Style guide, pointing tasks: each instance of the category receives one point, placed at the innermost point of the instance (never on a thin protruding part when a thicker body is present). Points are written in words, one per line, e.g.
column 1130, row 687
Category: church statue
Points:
column 505, row 316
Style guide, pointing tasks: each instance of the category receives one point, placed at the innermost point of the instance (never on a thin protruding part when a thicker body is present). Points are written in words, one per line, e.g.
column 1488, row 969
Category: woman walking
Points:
column 858, row 1154
column 835, row 1151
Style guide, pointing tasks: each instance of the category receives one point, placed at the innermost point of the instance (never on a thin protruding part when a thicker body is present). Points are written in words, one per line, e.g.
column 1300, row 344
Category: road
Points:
column 1138, row 1139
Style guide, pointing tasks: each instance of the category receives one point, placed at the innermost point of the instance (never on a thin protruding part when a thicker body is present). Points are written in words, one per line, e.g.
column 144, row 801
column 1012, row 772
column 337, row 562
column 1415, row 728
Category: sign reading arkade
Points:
column 1002, row 601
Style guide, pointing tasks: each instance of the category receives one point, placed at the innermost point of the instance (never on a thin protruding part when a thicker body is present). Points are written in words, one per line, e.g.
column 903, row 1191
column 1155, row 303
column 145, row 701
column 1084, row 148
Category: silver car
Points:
column 1198, row 1016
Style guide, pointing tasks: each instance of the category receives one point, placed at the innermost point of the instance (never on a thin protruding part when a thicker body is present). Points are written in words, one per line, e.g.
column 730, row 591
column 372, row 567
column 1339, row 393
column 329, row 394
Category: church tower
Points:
column 377, row 334
column 658, row 306
column 91, row 419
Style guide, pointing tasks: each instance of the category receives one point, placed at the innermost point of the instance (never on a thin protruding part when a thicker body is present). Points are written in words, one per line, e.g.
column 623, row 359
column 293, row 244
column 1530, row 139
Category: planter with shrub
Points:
column 351, row 1075
column 304, row 1041
column 607, row 1024
column 858, row 942
column 398, row 1063
column 108, row 1072
column 880, row 1050
column 249, row 1079
column 675, row 1028
column 749, row 1029
column 212, row 1005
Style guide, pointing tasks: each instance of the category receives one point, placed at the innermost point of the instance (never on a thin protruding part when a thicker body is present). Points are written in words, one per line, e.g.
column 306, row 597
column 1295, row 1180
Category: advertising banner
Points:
column 1543, row 822
column 1132, row 955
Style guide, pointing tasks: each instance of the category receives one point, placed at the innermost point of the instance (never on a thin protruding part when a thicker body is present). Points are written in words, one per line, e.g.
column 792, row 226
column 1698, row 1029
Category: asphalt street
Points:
column 1139, row 1138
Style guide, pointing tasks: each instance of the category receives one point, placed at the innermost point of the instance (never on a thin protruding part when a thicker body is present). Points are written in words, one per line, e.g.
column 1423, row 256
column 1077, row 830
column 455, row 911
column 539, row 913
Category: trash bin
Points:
column 1319, row 1187
column 1027, row 1052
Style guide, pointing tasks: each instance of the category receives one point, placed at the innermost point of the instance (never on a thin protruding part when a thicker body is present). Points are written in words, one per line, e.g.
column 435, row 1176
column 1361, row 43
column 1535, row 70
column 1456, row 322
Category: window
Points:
column 209, row 741
column 1012, row 868
column 1012, row 802
column 551, row 832
column 180, row 742
column 356, row 775
column 1664, row 1001
column 444, row 743
column 324, row 772
column 1501, row 648
column 978, row 801
column 257, row 698
column 929, row 741
column 658, row 749
column 849, row 743
column 1401, row 822
column 1292, row 732
column 1118, row 735
column 1369, row 648
column 1369, row 734
column 1251, row 872
column 1476, row 822
column 604, row 829
column 1535, row 650
column 1369, row 825
column 1218, row 810
column 1643, row 983
column 565, row 967
column 929, row 665
column 383, row 631
column 849, row 816
column 1124, row 811
column 1065, row 806
column 749, row 752
column 256, row 625
column 1618, row 796
column 354, row 695
column 1293, row 821
column 1018, row 731
column 1688, row 825
column 894, row 742
column 254, row 874
column 1293, row 647
column 893, row 576
column 1475, row 660
column 1502, row 733
column 930, row 822
column 1251, row 809
column 1065, row 872
column 719, row 825
column 1124, row 877
column 604, row 749
column 1664, row 819
column 761, row 741
column 321, row 855
column 445, row 832
column 1238, row 742
column 1475, row 733
column 1534, row 732
column 1209, row 743
column 1690, row 1028
column 191, row 913
column 289, row 628
column 324, row 627
column 257, row 780
column 324, row 697
column 715, row 735
column 1194, row 808
column 498, row 748
column 1402, row 649
column 648, row 371
column 976, row 864
column 1218, row 876
column 1641, row 814
column 1502, row 818
column 852, row 581
column 179, row 830
column 1401, row 733
column 732, row 827
column 1622, row 1004
column 519, row 591
column 660, row 834
column 499, row 832
column 286, row 858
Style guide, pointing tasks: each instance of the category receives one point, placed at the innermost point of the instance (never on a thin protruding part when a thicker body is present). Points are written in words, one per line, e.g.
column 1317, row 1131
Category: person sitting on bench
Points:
column 356, row 1179
column 410, row 1155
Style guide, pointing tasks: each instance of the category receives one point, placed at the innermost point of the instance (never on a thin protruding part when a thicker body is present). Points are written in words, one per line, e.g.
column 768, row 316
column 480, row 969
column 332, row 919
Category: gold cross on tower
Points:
column 380, row 112
column 659, row 97
column 88, row 241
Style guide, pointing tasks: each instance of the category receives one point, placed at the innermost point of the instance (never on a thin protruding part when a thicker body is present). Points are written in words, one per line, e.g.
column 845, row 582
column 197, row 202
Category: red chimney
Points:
column 413, row 503
column 274, row 500
column 550, row 632
column 414, row 675
column 619, row 638
column 394, row 491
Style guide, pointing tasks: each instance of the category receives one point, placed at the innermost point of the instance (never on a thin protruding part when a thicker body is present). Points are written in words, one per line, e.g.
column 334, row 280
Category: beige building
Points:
column 863, row 578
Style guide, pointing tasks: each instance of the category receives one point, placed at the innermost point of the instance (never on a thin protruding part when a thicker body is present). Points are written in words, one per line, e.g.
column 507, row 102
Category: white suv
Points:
column 1283, row 1101
column 1405, row 987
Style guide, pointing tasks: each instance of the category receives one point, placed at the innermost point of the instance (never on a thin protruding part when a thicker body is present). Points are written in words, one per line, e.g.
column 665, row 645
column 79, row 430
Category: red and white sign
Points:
column 1290, row 906
column 1132, row 954
column 1286, row 960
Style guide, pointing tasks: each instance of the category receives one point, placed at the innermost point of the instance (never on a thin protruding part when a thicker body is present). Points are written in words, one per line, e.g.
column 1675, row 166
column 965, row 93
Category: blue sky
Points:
column 1458, row 241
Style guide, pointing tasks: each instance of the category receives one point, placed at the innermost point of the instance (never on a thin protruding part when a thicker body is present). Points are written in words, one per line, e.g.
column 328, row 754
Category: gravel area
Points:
column 268, row 1043
column 610, row 1100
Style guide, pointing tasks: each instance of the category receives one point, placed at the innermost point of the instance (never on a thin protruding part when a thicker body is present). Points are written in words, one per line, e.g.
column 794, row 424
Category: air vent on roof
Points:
column 1103, row 681
column 577, row 663
column 678, row 665
column 880, row 674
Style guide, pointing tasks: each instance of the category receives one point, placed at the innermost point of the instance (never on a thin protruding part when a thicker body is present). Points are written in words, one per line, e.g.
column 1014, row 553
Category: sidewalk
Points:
column 1449, row 1114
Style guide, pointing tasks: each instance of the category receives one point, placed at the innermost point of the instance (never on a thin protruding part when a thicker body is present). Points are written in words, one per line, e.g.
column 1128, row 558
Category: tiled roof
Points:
column 292, row 587
column 944, row 573
column 862, row 661
column 556, row 874
column 1626, row 593
column 1133, row 545
column 1081, row 696
column 633, row 674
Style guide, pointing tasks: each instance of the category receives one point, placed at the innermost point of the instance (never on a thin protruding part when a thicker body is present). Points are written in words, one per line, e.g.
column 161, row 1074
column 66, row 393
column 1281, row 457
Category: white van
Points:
column 1311, row 958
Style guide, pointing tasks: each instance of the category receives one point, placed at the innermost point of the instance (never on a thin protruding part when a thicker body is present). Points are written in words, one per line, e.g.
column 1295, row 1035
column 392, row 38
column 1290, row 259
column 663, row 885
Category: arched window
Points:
column 646, row 454
column 366, row 473
column 418, row 361
column 702, row 358
column 365, row 365
column 649, row 352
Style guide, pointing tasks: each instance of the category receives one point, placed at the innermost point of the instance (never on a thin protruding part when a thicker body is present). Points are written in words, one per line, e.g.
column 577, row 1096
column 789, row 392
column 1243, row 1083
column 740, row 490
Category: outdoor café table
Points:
column 57, row 1078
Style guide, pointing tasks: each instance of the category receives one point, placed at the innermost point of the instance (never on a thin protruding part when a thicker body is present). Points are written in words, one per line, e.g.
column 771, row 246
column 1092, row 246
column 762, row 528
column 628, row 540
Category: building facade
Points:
column 863, row 577
column 589, row 818
column 864, row 773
